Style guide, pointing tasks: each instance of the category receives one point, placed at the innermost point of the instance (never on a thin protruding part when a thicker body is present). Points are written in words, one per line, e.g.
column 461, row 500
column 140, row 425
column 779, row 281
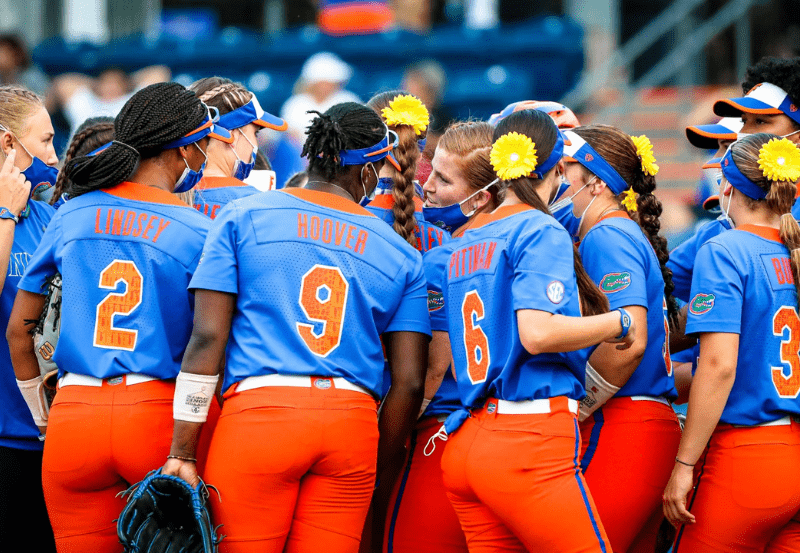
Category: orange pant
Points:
column 516, row 485
column 420, row 517
column 295, row 468
column 747, row 490
column 629, row 450
column 100, row 440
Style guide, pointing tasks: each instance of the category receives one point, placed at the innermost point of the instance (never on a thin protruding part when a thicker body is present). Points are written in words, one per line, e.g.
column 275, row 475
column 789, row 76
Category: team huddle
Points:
column 481, row 359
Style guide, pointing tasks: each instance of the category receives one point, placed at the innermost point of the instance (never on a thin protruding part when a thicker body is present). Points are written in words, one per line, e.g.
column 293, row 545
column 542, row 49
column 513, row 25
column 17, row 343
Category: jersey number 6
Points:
column 323, row 299
column 106, row 335
column 786, row 318
column 475, row 341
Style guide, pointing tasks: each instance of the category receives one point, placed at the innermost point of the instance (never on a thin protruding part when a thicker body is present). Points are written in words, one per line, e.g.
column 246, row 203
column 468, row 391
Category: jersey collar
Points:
column 768, row 233
column 144, row 193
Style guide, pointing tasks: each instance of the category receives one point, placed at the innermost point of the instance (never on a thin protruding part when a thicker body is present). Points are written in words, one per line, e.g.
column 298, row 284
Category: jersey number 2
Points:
column 323, row 299
column 106, row 335
column 786, row 318
column 475, row 341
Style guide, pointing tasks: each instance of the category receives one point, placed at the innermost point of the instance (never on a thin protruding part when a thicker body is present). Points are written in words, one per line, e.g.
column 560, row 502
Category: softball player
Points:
column 230, row 164
column 518, row 342
column 22, row 223
column 741, row 443
column 294, row 455
column 627, row 416
column 126, row 248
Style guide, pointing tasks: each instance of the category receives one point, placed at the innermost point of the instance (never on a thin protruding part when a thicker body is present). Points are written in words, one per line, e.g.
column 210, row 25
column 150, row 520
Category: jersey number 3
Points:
column 323, row 299
column 475, row 341
column 786, row 318
column 106, row 335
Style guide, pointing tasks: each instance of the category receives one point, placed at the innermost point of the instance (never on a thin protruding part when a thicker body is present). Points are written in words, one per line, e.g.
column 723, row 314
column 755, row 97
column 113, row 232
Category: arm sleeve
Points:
column 435, row 262
column 44, row 262
column 217, row 269
column 717, row 292
column 544, row 272
column 617, row 264
column 681, row 259
column 412, row 313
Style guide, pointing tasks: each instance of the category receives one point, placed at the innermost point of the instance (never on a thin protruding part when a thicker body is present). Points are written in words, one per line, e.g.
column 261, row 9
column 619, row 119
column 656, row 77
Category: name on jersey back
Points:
column 330, row 231
column 129, row 222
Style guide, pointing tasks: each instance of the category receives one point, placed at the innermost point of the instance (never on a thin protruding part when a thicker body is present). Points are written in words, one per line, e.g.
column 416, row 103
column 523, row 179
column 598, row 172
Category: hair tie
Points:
column 644, row 149
column 128, row 146
column 513, row 155
column 779, row 160
column 409, row 110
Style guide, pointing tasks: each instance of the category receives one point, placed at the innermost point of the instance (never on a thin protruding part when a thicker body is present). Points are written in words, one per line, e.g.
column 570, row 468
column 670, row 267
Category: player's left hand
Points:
column 186, row 470
column 674, row 498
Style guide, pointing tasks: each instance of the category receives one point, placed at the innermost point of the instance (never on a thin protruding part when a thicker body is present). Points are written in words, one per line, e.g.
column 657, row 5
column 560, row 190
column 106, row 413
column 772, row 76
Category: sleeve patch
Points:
column 435, row 300
column 701, row 304
column 555, row 291
column 614, row 282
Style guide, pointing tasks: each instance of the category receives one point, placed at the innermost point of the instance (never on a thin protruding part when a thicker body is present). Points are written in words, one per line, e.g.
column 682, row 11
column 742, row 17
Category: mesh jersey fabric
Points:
column 213, row 193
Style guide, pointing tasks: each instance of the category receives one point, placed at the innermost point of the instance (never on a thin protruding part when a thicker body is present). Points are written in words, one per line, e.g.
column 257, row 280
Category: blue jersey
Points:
column 213, row 193
column 743, row 285
column 428, row 235
column 317, row 280
column 16, row 423
column 126, row 255
column 515, row 258
column 620, row 259
column 681, row 259
column 435, row 261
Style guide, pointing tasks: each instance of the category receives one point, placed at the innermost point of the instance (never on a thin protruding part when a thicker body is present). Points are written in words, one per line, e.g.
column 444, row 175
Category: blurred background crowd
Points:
column 647, row 66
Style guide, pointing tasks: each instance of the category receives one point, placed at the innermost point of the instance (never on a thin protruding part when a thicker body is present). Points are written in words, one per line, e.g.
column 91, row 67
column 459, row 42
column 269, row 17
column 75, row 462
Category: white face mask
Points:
column 365, row 199
column 726, row 212
column 582, row 215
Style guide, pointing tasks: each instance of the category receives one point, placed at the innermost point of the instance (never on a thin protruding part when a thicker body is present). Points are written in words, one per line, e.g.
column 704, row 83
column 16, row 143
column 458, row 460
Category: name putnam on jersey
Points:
column 472, row 258
column 331, row 231
column 128, row 222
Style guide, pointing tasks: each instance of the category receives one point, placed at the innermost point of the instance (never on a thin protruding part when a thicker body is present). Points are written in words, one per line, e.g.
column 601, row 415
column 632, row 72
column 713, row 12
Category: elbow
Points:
column 535, row 341
column 18, row 337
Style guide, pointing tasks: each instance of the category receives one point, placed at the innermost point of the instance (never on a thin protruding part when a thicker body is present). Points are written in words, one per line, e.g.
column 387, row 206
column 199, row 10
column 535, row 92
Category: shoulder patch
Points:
column 614, row 282
column 435, row 300
column 701, row 304
column 555, row 291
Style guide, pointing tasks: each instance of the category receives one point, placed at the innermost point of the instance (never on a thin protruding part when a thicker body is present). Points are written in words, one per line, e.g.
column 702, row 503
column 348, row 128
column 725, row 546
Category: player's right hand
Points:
column 186, row 470
column 14, row 188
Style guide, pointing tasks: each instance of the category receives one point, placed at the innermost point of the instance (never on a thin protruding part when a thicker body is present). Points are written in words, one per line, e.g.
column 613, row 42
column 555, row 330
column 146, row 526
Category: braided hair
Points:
column 347, row 126
column 17, row 106
column 619, row 151
column 90, row 135
column 153, row 117
column 221, row 93
column 407, row 155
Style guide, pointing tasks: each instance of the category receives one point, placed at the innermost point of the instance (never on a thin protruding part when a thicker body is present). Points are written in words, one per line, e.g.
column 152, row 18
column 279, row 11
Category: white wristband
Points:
column 598, row 391
column 425, row 403
column 33, row 392
column 193, row 396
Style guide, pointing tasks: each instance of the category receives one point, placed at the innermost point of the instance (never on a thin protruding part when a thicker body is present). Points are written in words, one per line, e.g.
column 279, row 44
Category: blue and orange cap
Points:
column 251, row 112
column 563, row 117
column 373, row 153
column 707, row 136
column 206, row 128
column 765, row 98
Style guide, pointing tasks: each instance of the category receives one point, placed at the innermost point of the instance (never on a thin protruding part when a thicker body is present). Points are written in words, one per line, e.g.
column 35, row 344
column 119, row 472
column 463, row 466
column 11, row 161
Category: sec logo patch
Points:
column 614, row 282
column 701, row 304
column 555, row 291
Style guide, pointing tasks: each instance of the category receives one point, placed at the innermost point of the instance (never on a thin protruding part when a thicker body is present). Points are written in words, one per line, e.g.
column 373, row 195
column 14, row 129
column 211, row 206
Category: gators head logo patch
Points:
column 614, row 282
column 701, row 303
column 435, row 300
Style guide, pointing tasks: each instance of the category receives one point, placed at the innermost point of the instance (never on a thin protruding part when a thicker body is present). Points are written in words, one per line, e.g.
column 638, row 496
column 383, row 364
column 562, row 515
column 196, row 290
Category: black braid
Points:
column 347, row 126
column 154, row 116
column 90, row 135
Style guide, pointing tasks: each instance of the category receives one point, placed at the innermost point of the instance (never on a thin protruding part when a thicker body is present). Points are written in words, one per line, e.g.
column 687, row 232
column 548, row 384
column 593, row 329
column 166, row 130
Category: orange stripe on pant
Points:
column 629, row 450
column 295, row 468
column 100, row 440
column 515, row 483
column 747, row 491
column 420, row 517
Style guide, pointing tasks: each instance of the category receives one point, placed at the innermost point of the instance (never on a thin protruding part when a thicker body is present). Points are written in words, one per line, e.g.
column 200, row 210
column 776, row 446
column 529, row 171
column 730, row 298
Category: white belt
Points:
column 528, row 407
column 785, row 421
column 75, row 379
column 293, row 381
column 659, row 399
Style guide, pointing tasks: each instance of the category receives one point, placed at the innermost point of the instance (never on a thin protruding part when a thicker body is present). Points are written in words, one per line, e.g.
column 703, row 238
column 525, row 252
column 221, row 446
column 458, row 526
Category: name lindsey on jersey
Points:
column 330, row 231
column 127, row 222
column 472, row 258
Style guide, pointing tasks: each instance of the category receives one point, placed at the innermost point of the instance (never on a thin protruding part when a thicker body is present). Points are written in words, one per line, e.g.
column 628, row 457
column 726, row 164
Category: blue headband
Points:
column 206, row 128
column 373, row 153
column 741, row 183
column 577, row 149
column 555, row 156
column 251, row 112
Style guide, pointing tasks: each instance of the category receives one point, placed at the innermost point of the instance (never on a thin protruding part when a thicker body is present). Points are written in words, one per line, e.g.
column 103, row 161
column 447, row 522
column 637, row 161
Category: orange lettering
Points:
column 361, row 241
column 161, row 227
column 149, row 227
column 302, row 225
column 97, row 223
column 327, row 231
column 128, row 227
column 315, row 227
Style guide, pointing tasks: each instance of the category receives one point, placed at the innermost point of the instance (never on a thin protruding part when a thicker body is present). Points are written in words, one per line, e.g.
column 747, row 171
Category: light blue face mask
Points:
column 41, row 176
column 452, row 217
column 241, row 170
column 563, row 210
column 190, row 178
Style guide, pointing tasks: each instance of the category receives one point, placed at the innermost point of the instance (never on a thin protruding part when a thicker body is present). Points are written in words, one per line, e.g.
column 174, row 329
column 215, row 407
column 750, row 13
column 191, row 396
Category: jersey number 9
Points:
column 323, row 299
column 475, row 341
column 106, row 335
column 786, row 318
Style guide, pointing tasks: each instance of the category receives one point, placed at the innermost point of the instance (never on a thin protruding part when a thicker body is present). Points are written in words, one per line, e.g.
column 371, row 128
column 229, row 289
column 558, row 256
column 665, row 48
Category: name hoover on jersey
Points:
column 330, row 231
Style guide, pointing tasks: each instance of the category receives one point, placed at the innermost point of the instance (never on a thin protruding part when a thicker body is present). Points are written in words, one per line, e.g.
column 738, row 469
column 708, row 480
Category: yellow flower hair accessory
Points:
column 513, row 156
column 629, row 201
column 644, row 149
column 779, row 159
column 409, row 110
